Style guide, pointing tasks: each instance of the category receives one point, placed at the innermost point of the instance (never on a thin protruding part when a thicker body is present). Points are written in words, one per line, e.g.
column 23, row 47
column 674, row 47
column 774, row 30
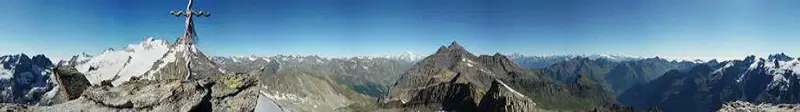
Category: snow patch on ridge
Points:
column 510, row 89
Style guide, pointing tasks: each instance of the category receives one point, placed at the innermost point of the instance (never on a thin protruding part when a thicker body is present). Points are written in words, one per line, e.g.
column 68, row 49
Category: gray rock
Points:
column 236, row 93
column 742, row 106
column 501, row 98
column 452, row 79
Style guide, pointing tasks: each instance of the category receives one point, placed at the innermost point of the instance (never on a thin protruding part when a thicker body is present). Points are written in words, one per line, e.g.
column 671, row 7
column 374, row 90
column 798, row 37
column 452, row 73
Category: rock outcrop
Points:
column 70, row 84
column 741, row 106
column 234, row 92
column 501, row 98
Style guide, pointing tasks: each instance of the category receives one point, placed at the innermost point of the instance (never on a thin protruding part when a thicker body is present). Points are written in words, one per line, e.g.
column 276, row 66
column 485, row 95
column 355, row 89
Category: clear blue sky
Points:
column 667, row 28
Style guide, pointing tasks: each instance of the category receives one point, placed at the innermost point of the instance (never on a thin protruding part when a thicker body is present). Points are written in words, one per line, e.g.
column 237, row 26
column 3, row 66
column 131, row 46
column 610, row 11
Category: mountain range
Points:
column 533, row 62
column 707, row 86
column 451, row 79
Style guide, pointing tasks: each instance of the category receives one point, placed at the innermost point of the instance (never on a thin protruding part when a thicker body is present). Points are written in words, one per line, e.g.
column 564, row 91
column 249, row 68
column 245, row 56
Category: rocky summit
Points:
column 453, row 79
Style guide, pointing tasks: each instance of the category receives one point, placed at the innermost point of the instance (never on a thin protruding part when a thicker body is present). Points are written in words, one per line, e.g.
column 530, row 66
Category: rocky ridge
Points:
column 225, row 93
column 452, row 79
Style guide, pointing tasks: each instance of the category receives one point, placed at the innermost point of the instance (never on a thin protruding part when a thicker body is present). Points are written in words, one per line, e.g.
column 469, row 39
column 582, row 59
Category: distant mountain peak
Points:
column 454, row 46
column 497, row 54
column 453, row 50
column 779, row 57
column 109, row 50
column 407, row 56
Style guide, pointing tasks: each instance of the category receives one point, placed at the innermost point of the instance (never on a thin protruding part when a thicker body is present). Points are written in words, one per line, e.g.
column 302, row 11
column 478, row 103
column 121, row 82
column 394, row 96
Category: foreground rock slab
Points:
column 741, row 106
column 225, row 93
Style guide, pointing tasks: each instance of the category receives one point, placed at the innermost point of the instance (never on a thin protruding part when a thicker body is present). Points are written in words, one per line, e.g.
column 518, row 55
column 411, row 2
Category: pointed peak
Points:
column 149, row 38
column 750, row 58
column 455, row 45
column 22, row 54
column 109, row 50
column 497, row 54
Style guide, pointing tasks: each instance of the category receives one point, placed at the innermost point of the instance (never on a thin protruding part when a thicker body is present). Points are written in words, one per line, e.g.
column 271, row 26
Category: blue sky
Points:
column 667, row 28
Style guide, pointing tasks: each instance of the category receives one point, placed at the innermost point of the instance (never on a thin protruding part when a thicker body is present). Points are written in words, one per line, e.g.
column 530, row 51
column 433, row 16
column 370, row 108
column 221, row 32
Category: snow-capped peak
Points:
column 407, row 56
column 147, row 44
column 120, row 66
column 779, row 66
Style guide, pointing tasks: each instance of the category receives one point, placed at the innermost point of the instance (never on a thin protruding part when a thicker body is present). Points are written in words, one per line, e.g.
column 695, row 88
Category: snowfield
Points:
column 120, row 66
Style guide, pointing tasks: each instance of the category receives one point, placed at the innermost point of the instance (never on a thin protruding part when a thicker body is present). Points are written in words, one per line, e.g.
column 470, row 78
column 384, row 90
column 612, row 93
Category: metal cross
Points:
column 189, row 35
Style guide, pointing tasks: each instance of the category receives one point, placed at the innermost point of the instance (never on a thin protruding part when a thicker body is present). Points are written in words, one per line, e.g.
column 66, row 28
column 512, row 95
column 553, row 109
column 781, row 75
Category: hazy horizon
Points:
column 680, row 29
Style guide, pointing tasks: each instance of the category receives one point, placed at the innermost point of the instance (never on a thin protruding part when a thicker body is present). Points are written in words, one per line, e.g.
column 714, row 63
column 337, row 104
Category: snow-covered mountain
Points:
column 150, row 59
column 538, row 61
column 705, row 87
column 120, row 66
column 616, row 58
column 25, row 79
column 780, row 67
column 184, row 61
column 407, row 56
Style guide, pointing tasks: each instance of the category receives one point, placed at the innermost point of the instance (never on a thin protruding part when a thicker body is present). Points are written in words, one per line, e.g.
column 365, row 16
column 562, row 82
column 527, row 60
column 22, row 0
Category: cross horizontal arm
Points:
column 190, row 13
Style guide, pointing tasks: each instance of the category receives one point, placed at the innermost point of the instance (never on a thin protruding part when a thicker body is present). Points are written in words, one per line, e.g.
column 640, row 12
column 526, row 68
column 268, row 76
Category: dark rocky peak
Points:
column 713, row 61
column 750, row 59
column 657, row 59
column 41, row 60
column 498, row 55
column 454, row 45
column 779, row 57
column 499, row 63
column 455, row 49
column 20, row 59
column 454, row 52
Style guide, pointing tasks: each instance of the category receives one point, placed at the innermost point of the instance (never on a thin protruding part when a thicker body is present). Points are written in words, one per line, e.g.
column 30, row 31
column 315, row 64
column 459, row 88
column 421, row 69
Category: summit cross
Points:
column 189, row 36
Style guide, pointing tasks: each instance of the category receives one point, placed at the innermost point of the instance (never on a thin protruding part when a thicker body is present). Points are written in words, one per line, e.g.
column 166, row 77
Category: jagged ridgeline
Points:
column 708, row 86
column 454, row 79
